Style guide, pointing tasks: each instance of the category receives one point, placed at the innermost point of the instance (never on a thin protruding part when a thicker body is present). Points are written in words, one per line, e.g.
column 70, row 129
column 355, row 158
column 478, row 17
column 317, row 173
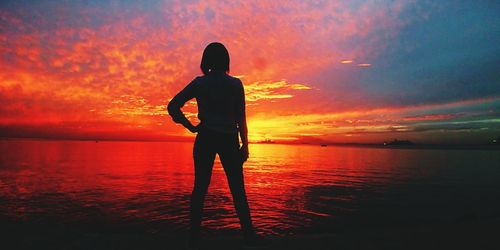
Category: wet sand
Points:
column 471, row 234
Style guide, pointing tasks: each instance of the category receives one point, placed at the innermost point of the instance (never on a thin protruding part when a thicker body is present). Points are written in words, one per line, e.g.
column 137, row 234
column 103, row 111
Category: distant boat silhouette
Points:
column 267, row 141
column 397, row 142
column 323, row 145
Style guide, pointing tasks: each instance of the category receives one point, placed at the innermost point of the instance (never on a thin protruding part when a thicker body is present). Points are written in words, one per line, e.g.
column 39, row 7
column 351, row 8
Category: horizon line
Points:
column 187, row 139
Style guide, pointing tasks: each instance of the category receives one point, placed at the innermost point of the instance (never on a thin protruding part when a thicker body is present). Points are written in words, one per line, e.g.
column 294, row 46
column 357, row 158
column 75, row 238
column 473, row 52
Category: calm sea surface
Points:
column 291, row 188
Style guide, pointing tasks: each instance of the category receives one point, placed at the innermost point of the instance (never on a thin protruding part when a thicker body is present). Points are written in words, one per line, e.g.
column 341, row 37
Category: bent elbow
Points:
column 170, row 108
column 173, row 110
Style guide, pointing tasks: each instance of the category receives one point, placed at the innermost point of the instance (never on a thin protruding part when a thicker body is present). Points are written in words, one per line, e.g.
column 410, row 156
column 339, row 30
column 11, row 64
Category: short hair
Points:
column 215, row 58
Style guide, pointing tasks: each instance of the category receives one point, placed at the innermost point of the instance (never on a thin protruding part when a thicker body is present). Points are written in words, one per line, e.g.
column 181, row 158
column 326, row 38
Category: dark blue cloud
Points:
column 450, row 54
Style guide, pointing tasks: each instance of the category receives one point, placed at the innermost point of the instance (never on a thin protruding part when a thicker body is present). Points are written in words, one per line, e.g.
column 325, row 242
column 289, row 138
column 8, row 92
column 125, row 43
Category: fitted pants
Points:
column 208, row 143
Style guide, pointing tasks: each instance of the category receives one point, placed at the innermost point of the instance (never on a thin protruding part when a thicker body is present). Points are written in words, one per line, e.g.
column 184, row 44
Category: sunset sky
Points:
column 314, row 71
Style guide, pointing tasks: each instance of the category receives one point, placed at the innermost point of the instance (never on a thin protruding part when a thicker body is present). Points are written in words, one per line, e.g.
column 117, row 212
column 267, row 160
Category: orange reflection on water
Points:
column 290, row 187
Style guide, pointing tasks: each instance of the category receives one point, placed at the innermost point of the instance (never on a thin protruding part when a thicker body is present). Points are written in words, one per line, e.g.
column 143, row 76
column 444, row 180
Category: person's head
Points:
column 215, row 58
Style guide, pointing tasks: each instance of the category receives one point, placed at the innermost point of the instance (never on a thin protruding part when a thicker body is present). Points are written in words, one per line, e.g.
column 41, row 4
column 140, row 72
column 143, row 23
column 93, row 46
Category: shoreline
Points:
column 468, row 234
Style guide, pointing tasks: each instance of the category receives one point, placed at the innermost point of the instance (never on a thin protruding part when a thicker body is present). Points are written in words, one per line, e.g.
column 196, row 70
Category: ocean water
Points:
column 292, row 189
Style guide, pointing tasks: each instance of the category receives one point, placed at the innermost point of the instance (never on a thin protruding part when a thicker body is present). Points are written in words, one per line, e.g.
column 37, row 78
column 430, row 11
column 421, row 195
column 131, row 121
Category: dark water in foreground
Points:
column 292, row 189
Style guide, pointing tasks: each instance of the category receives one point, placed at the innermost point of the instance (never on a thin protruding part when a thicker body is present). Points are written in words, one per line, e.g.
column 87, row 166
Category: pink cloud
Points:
column 126, row 67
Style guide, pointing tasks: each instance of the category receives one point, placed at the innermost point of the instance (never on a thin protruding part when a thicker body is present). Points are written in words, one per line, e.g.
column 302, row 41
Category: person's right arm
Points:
column 175, row 105
column 242, row 124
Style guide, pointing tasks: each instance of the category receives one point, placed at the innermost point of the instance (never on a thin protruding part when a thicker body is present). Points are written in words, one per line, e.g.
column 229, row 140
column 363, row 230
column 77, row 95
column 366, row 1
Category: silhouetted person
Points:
column 221, row 111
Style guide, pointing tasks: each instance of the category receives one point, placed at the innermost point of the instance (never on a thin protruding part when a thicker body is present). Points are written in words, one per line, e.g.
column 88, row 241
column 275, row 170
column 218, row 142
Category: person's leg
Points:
column 233, row 166
column 230, row 157
column 204, row 155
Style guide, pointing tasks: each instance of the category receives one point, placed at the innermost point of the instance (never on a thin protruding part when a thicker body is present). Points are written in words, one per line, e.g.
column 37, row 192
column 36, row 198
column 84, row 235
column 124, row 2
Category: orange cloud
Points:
column 121, row 69
column 371, row 124
column 266, row 90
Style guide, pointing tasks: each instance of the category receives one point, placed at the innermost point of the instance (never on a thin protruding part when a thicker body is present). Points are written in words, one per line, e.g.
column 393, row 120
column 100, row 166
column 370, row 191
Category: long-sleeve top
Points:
column 220, row 98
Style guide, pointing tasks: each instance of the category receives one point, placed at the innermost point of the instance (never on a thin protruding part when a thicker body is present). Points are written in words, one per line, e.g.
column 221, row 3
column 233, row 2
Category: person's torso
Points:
column 218, row 96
